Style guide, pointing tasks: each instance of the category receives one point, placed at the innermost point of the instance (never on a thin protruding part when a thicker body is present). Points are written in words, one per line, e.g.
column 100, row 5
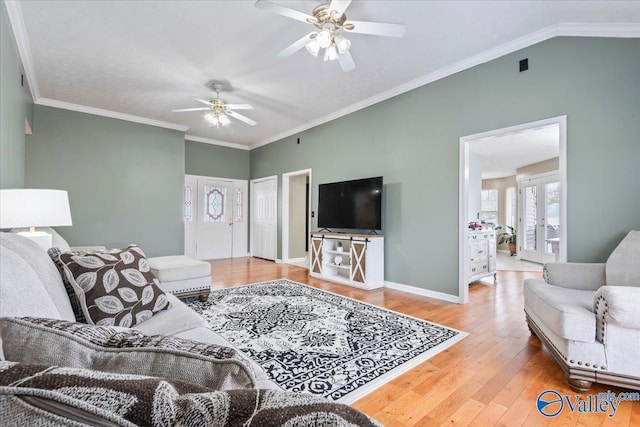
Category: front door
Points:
column 214, row 237
column 539, row 234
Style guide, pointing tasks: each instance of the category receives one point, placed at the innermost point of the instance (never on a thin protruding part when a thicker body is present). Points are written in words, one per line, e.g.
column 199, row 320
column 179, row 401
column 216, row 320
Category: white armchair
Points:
column 588, row 316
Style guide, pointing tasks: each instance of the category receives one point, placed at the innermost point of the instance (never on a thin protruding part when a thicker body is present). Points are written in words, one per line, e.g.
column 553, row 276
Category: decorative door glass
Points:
column 214, row 203
column 239, row 204
column 188, row 205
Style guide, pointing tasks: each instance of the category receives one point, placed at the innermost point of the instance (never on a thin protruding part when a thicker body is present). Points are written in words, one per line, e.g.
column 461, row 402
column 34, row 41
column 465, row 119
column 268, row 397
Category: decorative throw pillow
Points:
column 126, row 351
column 265, row 408
column 116, row 287
column 89, row 397
column 54, row 254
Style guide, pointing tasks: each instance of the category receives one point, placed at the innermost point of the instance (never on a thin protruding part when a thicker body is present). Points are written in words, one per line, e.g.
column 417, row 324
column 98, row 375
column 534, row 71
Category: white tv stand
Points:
column 362, row 263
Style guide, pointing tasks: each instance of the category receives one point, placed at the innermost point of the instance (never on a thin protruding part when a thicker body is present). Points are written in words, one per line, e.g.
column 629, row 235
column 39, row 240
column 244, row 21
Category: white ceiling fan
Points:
column 330, row 19
column 219, row 109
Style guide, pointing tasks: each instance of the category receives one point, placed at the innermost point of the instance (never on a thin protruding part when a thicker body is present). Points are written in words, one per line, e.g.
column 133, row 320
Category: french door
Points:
column 216, row 227
column 539, row 219
column 264, row 210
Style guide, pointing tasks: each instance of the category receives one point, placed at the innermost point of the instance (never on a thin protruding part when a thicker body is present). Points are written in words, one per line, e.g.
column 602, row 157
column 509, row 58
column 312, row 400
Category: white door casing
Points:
column 264, row 214
column 463, row 192
column 284, row 244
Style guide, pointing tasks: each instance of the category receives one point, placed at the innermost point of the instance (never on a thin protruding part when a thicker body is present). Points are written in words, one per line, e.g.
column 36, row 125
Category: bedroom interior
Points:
column 88, row 98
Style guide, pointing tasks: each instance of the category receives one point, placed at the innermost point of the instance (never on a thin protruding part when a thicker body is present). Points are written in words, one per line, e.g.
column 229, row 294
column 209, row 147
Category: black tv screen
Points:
column 353, row 204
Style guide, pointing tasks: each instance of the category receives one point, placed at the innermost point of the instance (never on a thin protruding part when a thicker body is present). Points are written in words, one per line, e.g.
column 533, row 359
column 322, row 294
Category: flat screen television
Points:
column 353, row 204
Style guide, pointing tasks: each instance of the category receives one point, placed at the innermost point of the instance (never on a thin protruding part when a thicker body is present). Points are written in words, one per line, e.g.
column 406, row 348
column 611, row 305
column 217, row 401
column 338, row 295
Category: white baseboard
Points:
column 504, row 251
column 300, row 259
column 279, row 261
column 423, row 292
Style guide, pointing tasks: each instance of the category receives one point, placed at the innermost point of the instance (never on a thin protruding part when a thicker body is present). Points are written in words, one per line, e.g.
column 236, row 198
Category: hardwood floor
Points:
column 491, row 377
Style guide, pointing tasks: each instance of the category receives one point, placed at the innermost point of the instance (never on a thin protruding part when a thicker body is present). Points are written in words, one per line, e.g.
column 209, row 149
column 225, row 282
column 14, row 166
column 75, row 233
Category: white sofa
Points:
column 588, row 316
column 170, row 369
column 30, row 285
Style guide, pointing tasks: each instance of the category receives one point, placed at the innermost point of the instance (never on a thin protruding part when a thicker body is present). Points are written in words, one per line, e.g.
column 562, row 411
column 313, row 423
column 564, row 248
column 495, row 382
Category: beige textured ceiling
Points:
column 145, row 58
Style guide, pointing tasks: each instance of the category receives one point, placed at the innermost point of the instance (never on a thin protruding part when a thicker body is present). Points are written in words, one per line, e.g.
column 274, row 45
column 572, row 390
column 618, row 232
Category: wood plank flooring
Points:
column 492, row 377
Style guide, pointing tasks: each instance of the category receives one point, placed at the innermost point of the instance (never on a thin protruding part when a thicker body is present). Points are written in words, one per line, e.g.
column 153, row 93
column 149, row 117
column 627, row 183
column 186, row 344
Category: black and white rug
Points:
column 313, row 341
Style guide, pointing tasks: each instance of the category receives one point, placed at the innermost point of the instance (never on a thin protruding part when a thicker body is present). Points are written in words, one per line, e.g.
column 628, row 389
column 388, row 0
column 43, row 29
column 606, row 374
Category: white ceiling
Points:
column 502, row 154
column 140, row 59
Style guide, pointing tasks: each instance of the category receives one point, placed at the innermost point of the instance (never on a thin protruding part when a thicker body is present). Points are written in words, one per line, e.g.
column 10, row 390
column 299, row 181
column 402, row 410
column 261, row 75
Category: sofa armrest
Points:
column 616, row 305
column 88, row 248
column 575, row 275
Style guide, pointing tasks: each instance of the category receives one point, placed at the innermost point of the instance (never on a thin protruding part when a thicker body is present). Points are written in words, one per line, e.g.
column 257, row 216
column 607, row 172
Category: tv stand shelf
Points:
column 362, row 259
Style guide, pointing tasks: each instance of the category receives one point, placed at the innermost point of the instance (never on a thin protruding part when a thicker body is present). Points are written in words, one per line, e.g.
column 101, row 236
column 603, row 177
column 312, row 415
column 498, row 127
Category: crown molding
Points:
column 16, row 19
column 620, row 30
column 630, row 30
column 216, row 142
column 108, row 113
column 486, row 56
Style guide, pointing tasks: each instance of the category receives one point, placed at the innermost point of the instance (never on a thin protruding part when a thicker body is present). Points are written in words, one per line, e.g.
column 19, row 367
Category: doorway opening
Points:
column 296, row 217
column 494, row 200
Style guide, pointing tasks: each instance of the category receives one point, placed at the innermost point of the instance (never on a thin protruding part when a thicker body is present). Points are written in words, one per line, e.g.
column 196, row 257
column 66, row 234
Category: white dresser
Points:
column 481, row 261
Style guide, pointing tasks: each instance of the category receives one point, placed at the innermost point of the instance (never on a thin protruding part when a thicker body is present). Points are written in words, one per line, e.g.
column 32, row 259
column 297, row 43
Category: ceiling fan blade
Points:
column 339, row 6
column 190, row 109
column 346, row 61
column 295, row 46
column 241, row 118
column 239, row 107
column 284, row 11
column 375, row 28
column 204, row 101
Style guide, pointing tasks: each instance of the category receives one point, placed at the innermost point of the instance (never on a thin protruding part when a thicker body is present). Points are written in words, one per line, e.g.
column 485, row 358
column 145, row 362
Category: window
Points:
column 489, row 206
column 510, row 207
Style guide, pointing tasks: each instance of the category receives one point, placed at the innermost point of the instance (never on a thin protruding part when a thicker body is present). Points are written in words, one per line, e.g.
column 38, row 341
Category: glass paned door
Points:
column 552, row 219
column 214, row 236
column 530, row 217
column 540, row 219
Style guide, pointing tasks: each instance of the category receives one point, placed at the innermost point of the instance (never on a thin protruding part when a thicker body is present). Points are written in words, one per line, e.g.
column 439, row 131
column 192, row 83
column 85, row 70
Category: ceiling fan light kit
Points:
column 219, row 110
column 330, row 19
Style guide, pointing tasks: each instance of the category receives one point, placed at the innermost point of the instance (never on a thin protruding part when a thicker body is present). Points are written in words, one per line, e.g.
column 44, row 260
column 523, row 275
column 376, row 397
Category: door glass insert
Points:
column 214, row 201
column 530, row 218
column 552, row 221
column 187, row 211
column 239, row 205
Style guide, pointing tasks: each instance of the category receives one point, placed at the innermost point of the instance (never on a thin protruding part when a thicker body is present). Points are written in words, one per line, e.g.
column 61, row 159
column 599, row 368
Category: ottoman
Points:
column 182, row 276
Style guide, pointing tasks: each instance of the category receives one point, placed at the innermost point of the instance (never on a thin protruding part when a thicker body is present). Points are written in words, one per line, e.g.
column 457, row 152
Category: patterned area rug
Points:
column 313, row 341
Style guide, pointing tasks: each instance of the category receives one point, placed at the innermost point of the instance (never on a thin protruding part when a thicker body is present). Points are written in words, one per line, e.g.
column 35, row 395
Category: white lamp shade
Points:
column 34, row 208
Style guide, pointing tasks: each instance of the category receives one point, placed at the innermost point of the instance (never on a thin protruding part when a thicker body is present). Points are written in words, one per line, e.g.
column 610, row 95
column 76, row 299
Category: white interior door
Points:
column 264, row 209
column 539, row 233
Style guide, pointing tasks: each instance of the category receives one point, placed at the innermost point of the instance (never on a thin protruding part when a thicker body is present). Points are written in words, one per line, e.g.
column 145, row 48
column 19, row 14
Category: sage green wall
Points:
column 413, row 141
column 124, row 179
column 16, row 105
column 214, row 160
